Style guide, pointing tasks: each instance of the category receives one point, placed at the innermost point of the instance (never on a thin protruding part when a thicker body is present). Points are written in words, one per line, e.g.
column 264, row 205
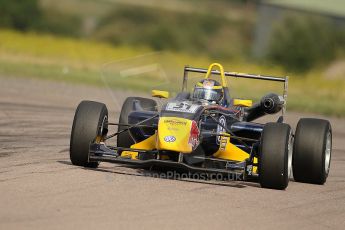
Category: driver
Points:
column 209, row 90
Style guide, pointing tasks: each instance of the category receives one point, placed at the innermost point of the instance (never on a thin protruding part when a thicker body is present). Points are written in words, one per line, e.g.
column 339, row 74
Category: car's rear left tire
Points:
column 90, row 120
column 312, row 151
column 274, row 157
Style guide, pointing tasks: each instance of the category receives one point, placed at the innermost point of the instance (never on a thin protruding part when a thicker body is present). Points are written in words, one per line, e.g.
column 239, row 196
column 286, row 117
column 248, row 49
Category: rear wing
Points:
column 223, row 73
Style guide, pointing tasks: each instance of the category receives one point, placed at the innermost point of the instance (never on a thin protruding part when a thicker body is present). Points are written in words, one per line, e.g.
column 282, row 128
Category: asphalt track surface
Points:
column 40, row 189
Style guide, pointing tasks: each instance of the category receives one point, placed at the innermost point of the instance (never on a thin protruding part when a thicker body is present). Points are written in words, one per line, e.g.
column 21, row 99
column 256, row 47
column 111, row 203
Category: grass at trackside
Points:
column 75, row 61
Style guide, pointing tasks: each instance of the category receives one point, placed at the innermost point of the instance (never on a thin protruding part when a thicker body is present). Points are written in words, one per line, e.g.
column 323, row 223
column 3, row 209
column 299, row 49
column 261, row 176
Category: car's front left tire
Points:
column 90, row 120
column 275, row 156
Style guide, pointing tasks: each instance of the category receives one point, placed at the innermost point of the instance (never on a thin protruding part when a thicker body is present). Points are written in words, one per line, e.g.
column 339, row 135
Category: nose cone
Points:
column 177, row 134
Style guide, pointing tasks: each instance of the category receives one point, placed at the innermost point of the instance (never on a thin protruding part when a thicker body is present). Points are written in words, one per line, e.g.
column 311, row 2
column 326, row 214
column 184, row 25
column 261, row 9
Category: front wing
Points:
column 146, row 158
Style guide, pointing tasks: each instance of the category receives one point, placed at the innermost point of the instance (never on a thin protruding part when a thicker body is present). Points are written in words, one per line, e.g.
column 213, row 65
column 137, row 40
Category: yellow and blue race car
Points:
column 206, row 132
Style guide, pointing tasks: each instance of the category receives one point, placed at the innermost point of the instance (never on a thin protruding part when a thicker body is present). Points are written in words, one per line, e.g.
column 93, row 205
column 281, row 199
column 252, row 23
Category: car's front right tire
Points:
column 90, row 120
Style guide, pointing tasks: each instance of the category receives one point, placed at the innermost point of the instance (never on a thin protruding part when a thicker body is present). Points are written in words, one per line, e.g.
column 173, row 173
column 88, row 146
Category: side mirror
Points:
column 242, row 103
column 160, row 94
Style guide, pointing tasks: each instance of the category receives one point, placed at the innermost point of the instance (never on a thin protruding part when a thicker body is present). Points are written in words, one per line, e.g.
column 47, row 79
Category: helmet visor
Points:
column 207, row 94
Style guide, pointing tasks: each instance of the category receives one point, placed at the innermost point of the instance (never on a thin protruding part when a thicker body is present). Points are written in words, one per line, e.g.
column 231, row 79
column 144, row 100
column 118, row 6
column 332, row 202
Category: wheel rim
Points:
column 105, row 119
column 290, row 149
column 328, row 152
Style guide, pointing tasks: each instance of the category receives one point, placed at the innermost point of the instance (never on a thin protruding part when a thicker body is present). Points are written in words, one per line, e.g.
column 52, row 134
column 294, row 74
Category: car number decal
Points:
column 181, row 107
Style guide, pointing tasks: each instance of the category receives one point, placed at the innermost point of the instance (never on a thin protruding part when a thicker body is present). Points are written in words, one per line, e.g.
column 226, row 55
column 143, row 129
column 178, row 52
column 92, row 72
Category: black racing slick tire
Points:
column 275, row 156
column 90, row 121
column 312, row 151
column 124, row 139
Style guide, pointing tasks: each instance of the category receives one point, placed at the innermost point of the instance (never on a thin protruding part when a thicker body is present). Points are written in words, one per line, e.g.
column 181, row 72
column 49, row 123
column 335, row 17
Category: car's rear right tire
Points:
column 274, row 157
column 312, row 151
column 124, row 139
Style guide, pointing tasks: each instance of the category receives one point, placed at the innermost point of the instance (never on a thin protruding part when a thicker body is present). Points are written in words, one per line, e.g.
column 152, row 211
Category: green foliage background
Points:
column 20, row 15
column 303, row 42
column 206, row 34
column 299, row 42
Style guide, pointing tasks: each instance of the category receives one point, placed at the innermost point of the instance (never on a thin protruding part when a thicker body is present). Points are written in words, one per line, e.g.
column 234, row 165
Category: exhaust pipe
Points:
column 269, row 104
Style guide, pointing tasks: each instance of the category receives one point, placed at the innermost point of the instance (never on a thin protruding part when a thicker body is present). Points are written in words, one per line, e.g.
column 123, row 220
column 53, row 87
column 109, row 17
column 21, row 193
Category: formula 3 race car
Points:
column 207, row 132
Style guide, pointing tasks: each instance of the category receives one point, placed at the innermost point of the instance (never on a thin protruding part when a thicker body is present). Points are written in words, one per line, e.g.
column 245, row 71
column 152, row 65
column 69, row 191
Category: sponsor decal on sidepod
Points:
column 169, row 139
column 175, row 122
column 194, row 135
column 220, row 128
